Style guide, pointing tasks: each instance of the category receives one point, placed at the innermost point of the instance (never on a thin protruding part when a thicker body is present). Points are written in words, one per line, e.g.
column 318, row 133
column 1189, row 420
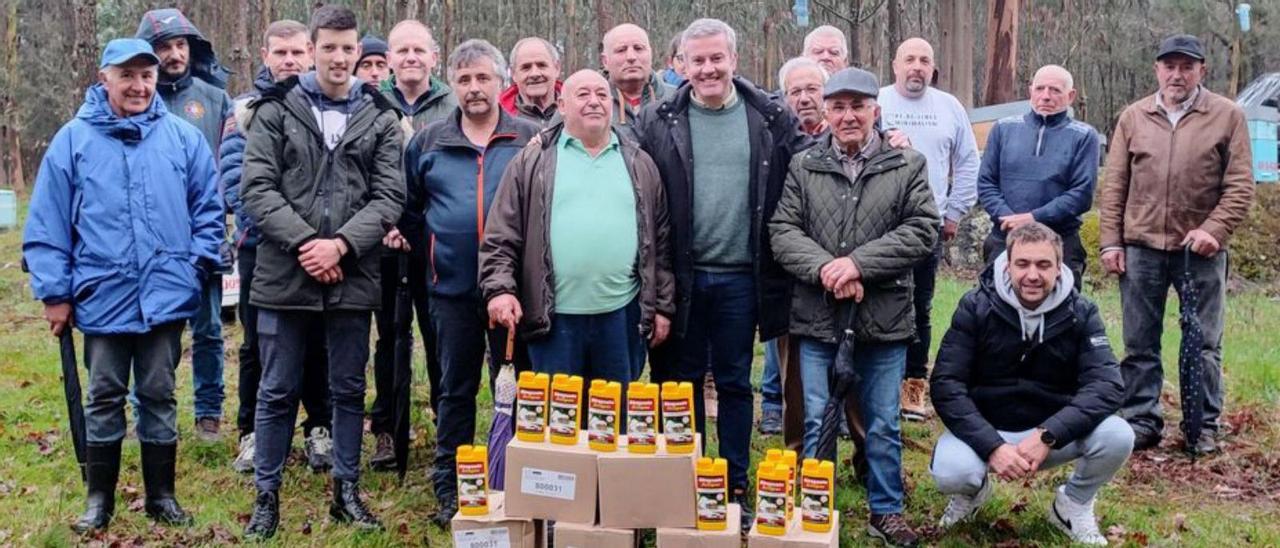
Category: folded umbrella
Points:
column 1190, row 365
column 71, row 389
column 503, row 427
column 403, row 363
column 844, row 379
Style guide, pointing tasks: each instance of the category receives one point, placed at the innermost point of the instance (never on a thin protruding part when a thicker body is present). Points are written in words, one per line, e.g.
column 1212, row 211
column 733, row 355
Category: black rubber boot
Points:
column 158, row 467
column 102, row 470
column 348, row 508
column 265, row 518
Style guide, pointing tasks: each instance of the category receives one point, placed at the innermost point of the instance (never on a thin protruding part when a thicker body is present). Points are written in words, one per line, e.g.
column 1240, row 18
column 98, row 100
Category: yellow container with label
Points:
column 712, row 488
column 473, row 480
column 565, row 408
column 817, row 495
column 642, row 417
column 604, row 403
column 678, row 426
column 771, row 499
column 531, row 406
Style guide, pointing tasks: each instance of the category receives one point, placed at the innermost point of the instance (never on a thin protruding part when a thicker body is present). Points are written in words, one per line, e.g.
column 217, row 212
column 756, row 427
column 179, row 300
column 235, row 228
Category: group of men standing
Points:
column 609, row 216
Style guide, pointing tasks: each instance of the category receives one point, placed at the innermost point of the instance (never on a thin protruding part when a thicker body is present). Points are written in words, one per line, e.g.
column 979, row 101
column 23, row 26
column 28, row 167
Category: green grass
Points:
column 1167, row 501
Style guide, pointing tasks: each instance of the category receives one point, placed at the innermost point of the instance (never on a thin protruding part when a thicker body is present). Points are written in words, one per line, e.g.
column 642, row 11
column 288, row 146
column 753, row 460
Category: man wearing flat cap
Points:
column 1178, row 177
column 124, row 228
column 855, row 217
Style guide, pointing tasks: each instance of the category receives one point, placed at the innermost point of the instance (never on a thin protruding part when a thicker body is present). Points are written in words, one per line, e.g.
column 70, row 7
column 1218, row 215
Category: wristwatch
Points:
column 1048, row 438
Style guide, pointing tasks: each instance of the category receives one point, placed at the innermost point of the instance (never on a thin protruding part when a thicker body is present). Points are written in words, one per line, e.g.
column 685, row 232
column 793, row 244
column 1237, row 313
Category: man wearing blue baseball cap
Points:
column 124, row 227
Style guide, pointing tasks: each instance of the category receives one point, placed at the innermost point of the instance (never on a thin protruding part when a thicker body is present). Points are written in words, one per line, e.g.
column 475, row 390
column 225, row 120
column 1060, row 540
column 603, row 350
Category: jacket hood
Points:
column 162, row 24
column 311, row 87
column 510, row 98
column 996, row 278
column 439, row 88
column 96, row 111
column 263, row 80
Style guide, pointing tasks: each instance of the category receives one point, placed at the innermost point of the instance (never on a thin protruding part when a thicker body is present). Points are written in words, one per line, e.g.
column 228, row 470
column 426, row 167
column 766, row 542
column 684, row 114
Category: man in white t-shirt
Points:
column 938, row 127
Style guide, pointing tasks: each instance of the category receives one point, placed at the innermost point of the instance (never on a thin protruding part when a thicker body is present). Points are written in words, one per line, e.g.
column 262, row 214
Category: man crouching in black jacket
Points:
column 1025, row 381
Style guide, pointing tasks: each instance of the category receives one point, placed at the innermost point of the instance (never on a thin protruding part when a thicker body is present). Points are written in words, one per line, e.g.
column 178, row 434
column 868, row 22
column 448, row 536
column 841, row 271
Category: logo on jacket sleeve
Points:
column 193, row 109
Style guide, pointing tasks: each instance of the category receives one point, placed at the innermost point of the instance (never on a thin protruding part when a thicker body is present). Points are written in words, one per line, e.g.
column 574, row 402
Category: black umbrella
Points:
column 1190, row 367
column 403, row 356
column 844, row 378
column 71, row 389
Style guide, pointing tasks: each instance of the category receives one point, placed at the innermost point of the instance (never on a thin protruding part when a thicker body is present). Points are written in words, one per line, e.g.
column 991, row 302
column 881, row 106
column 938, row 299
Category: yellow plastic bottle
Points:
column 817, row 495
column 712, row 485
column 604, row 402
column 531, row 406
column 789, row 460
column 771, row 499
column 678, row 427
column 566, row 406
column 473, row 480
column 642, row 418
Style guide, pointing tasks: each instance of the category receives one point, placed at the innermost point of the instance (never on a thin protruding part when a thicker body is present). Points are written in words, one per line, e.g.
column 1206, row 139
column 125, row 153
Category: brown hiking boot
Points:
column 209, row 430
column 915, row 400
column 384, row 453
column 893, row 530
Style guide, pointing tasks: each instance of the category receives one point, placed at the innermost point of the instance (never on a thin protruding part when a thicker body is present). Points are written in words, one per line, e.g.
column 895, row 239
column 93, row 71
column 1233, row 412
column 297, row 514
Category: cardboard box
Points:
column 551, row 481
column 495, row 529
column 576, row 535
column 693, row 538
column 647, row 491
column 797, row 537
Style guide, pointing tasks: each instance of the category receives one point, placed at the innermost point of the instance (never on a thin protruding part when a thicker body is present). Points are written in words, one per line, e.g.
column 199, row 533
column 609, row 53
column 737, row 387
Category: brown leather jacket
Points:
column 515, row 256
column 1162, row 182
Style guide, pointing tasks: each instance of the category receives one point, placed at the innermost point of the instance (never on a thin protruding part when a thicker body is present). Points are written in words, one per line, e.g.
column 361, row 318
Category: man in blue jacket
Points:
column 452, row 171
column 284, row 55
column 191, row 84
column 1041, row 166
column 124, row 226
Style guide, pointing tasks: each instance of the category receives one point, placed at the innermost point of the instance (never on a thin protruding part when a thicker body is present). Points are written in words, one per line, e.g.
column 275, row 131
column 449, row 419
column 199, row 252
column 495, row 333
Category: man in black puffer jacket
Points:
column 1025, row 380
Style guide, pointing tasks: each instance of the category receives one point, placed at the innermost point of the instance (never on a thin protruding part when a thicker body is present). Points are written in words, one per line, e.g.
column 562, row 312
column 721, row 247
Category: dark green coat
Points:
column 886, row 221
column 296, row 189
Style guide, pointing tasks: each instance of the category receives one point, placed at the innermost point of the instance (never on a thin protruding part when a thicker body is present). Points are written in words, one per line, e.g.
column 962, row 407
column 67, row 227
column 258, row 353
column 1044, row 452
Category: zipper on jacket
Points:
column 1040, row 138
column 480, row 181
column 431, row 254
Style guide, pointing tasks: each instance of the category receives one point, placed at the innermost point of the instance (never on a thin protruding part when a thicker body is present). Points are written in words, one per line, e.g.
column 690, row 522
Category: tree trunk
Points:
column 11, row 173
column 84, row 62
column 241, row 53
column 1002, row 52
column 894, row 24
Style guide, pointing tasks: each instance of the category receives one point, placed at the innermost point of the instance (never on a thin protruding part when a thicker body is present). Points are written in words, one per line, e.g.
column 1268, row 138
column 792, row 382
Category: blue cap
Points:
column 122, row 50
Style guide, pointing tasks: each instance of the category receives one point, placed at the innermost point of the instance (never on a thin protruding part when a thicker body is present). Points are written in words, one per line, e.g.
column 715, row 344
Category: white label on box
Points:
column 547, row 483
column 496, row 537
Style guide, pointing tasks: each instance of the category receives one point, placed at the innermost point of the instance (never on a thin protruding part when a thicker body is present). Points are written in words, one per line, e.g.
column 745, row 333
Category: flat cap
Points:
column 852, row 80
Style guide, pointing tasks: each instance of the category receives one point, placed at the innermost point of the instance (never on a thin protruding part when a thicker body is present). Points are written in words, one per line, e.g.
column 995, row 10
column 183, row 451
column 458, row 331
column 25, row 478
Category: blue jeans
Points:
column 721, row 331
column 206, row 351
column 771, row 384
column 594, row 346
column 152, row 357
column 880, row 368
column 283, row 337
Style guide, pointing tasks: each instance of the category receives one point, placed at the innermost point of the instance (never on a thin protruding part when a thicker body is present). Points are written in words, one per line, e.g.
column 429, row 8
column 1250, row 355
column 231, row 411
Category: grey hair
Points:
column 796, row 63
column 551, row 49
column 471, row 51
column 704, row 28
column 1066, row 74
column 827, row 30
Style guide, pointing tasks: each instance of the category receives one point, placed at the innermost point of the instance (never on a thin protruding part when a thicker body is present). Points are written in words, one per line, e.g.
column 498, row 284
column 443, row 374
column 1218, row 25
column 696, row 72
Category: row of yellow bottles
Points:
column 776, row 482
column 554, row 404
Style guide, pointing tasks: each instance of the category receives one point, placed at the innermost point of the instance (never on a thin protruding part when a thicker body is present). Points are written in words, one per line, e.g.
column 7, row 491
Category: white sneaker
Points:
column 960, row 507
column 1076, row 520
column 319, row 449
column 244, row 461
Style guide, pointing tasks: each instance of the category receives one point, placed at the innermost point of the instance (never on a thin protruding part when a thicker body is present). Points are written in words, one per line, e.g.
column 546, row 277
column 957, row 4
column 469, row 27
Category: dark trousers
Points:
column 153, row 358
column 593, row 346
column 382, row 414
column 283, row 337
column 461, row 331
column 315, row 375
column 720, row 334
column 1073, row 253
column 925, row 274
column 1144, row 292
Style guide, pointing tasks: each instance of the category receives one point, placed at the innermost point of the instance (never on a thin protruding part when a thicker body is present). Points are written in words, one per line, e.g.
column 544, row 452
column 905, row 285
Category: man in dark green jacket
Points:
column 323, row 178
column 855, row 216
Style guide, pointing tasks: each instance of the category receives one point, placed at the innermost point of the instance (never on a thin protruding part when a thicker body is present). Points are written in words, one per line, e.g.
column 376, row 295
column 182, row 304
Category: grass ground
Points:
column 1161, row 498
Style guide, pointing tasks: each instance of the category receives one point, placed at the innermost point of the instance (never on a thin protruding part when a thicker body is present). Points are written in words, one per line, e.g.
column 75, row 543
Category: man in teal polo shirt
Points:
column 605, row 240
